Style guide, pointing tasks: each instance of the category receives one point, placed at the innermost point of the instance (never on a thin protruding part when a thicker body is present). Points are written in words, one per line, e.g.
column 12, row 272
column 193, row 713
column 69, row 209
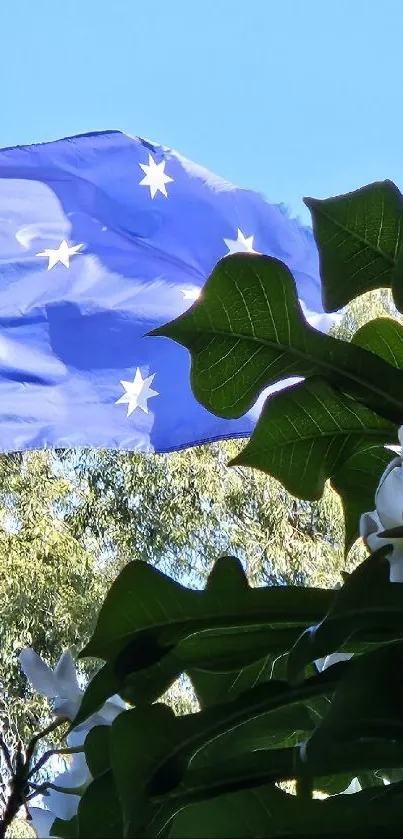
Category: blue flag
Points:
column 103, row 237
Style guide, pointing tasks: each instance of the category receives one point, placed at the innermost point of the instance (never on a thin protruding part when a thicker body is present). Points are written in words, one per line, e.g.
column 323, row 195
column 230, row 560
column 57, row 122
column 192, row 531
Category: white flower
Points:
column 61, row 687
column 41, row 821
column 388, row 514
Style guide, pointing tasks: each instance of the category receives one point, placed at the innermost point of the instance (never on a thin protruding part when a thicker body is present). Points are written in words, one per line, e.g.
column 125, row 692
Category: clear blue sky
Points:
column 291, row 97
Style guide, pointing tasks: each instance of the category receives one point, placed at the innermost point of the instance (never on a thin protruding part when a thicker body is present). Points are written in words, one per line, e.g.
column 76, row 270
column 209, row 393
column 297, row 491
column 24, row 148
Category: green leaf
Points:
column 216, row 651
column 366, row 601
column 286, row 727
column 397, row 281
column 145, row 606
column 247, row 331
column 96, row 749
column 383, row 336
column 99, row 810
column 367, row 704
column 358, row 236
column 270, row 812
column 305, row 434
column 211, row 688
column 266, row 766
column 141, row 739
column 147, row 766
column 65, row 828
column 146, row 614
column 265, row 811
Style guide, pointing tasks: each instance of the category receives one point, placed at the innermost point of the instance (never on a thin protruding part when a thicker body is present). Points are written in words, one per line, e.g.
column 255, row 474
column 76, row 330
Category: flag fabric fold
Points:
column 104, row 237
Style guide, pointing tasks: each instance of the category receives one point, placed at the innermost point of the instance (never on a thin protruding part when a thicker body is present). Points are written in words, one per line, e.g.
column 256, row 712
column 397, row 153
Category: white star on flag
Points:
column 191, row 293
column 137, row 393
column 61, row 254
column 241, row 244
column 155, row 176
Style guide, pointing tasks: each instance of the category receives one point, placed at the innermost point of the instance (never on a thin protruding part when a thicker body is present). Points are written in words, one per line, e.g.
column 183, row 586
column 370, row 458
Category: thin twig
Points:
column 6, row 754
column 48, row 730
column 42, row 789
column 72, row 750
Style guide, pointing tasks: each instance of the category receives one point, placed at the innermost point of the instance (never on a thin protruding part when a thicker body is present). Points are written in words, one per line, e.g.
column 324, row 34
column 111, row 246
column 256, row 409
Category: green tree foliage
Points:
column 50, row 589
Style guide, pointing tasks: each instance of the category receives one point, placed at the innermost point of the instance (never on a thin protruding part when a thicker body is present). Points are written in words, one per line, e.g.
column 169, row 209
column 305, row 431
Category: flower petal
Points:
column 370, row 526
column 389, row 495
column 38, row 673
column 65, row 672
column 64, row 804
column 396, row 564
column 41, row 821
column 66, row 707
column 79, row 774
column 114, row 706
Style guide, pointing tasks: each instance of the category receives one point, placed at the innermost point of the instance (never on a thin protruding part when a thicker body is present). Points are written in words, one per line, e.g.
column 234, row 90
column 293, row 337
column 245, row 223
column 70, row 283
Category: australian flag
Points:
column 104, row 237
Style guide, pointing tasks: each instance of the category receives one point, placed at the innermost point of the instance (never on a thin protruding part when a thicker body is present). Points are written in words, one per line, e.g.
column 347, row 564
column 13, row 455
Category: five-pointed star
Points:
column 61, row 254
column 155, row 176
column 241, row 244
column 191, row 293
column 137, row 393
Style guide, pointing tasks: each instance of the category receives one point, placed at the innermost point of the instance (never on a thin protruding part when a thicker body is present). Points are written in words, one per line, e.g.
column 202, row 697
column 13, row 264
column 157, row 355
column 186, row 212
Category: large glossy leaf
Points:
column 286, row 727
column 266, row 766
column 99, row 811
column 147, row 767
column 366, row 600
column 383, row 336
column 224, row 687
column 367, row 704
column 305, row 434
column 65, row 828
column 149, row 608
column 247, row 331
column 268, row 811
column 96, row 749
column 397, row 281
column 146, row 614
column 358, row 236
column 216, row 651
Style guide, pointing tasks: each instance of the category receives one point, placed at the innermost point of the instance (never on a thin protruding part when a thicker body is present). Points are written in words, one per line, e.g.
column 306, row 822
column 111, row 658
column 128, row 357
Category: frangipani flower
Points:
column 387, row 516
column 41, row 821
column 61, row 687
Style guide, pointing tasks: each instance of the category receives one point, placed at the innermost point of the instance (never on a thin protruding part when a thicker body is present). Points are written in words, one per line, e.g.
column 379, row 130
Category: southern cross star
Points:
column 155, row 176
column 241, row 244
column 61, row 254
column 137, row 393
